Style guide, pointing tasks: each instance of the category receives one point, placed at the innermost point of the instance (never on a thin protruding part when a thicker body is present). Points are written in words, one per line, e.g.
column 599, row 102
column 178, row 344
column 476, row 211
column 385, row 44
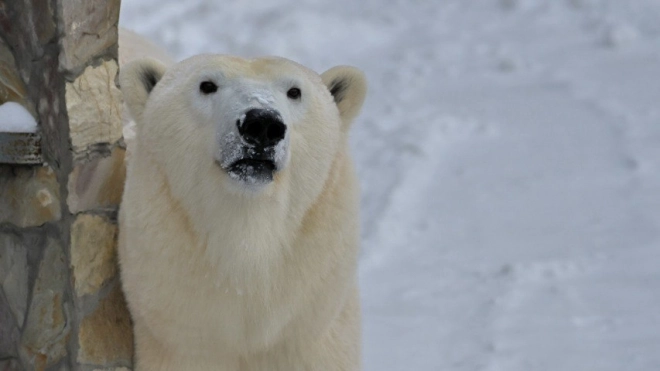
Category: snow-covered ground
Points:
column 509, row 154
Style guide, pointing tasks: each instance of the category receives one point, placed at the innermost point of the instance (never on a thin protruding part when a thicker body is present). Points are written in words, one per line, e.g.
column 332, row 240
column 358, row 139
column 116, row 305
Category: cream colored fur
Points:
column 131, row 47
column 219, row 276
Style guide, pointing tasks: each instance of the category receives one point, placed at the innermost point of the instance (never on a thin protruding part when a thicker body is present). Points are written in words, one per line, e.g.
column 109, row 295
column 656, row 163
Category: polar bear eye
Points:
column 208, row 87
column 293, row 93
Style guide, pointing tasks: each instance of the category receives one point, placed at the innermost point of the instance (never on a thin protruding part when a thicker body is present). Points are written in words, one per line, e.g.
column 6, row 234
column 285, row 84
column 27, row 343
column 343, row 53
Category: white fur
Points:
column 131, row 47
column 219, row 275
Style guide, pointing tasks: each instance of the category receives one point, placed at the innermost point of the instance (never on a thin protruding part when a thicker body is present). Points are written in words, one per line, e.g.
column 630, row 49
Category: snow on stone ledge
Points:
column 14, row 118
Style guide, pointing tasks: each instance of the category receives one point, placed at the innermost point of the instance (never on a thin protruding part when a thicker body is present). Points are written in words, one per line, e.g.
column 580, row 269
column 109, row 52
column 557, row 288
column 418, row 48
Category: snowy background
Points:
column 509, row 154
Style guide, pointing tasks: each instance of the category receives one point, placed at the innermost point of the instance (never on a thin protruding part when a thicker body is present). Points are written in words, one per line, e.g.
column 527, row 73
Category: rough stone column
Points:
column 61, row 307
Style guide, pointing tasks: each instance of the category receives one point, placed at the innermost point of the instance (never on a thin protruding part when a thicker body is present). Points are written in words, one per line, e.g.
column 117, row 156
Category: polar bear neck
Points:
column 242, row 239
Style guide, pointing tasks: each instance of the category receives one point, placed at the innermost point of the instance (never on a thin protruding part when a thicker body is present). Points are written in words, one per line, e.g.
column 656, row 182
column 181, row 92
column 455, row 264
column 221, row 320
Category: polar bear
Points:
column 239, row 221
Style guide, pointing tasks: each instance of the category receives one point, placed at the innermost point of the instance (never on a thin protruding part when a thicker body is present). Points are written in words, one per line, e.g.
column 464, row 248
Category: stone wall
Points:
column 61, row 306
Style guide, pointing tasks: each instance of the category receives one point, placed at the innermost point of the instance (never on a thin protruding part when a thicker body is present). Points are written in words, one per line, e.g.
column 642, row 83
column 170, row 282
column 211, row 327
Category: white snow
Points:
column 509, row 154
column 14, row 118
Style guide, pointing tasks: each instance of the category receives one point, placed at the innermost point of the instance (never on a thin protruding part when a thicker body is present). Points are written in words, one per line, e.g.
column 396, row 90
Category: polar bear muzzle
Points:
column 254, row 155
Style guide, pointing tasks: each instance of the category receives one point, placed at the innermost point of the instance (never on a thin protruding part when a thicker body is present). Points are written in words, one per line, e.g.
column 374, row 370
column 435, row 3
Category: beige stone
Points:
column 93, row 252
column 29, row 196
column 14, row 274
column 97, row 184
column 94, row 105
column 90, row 28
column 106, row 335
column 46, row 331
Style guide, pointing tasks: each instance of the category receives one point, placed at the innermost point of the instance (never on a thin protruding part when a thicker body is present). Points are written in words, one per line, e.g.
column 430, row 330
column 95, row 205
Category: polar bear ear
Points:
column 136, row 80
column 348, row 87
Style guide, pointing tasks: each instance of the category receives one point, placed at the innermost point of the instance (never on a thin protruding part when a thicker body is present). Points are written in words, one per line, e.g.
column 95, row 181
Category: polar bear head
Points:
column 239, row 126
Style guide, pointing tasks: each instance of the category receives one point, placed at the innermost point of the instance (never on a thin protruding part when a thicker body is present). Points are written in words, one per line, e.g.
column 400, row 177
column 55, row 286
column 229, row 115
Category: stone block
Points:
column 46, row 330
column 29, row 196
column 93, row 252
column 10, row 365
column 94, row 106
column 106, row 335
column 14, row 275
column 9, row 333
column 90, row 28
column 44, row 25
column 97, row 184
column 12, row 88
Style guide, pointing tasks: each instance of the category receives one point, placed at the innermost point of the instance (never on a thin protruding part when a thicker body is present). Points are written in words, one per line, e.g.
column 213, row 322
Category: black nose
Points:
column 262, row 127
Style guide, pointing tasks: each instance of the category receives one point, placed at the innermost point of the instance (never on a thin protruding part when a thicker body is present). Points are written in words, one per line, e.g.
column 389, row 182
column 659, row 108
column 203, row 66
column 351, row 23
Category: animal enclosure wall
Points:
column 61, row 307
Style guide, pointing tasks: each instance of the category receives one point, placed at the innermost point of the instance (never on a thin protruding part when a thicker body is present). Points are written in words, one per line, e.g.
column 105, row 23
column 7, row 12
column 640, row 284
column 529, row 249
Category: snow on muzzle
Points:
column 257, row 148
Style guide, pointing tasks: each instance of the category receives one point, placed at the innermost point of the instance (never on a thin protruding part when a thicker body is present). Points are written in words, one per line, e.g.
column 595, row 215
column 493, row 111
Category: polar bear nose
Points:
column 262, row 127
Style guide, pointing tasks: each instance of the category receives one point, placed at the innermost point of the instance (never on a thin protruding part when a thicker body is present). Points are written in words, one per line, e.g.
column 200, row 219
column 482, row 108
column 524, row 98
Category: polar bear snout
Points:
column 262, row 128
column 256, row 148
